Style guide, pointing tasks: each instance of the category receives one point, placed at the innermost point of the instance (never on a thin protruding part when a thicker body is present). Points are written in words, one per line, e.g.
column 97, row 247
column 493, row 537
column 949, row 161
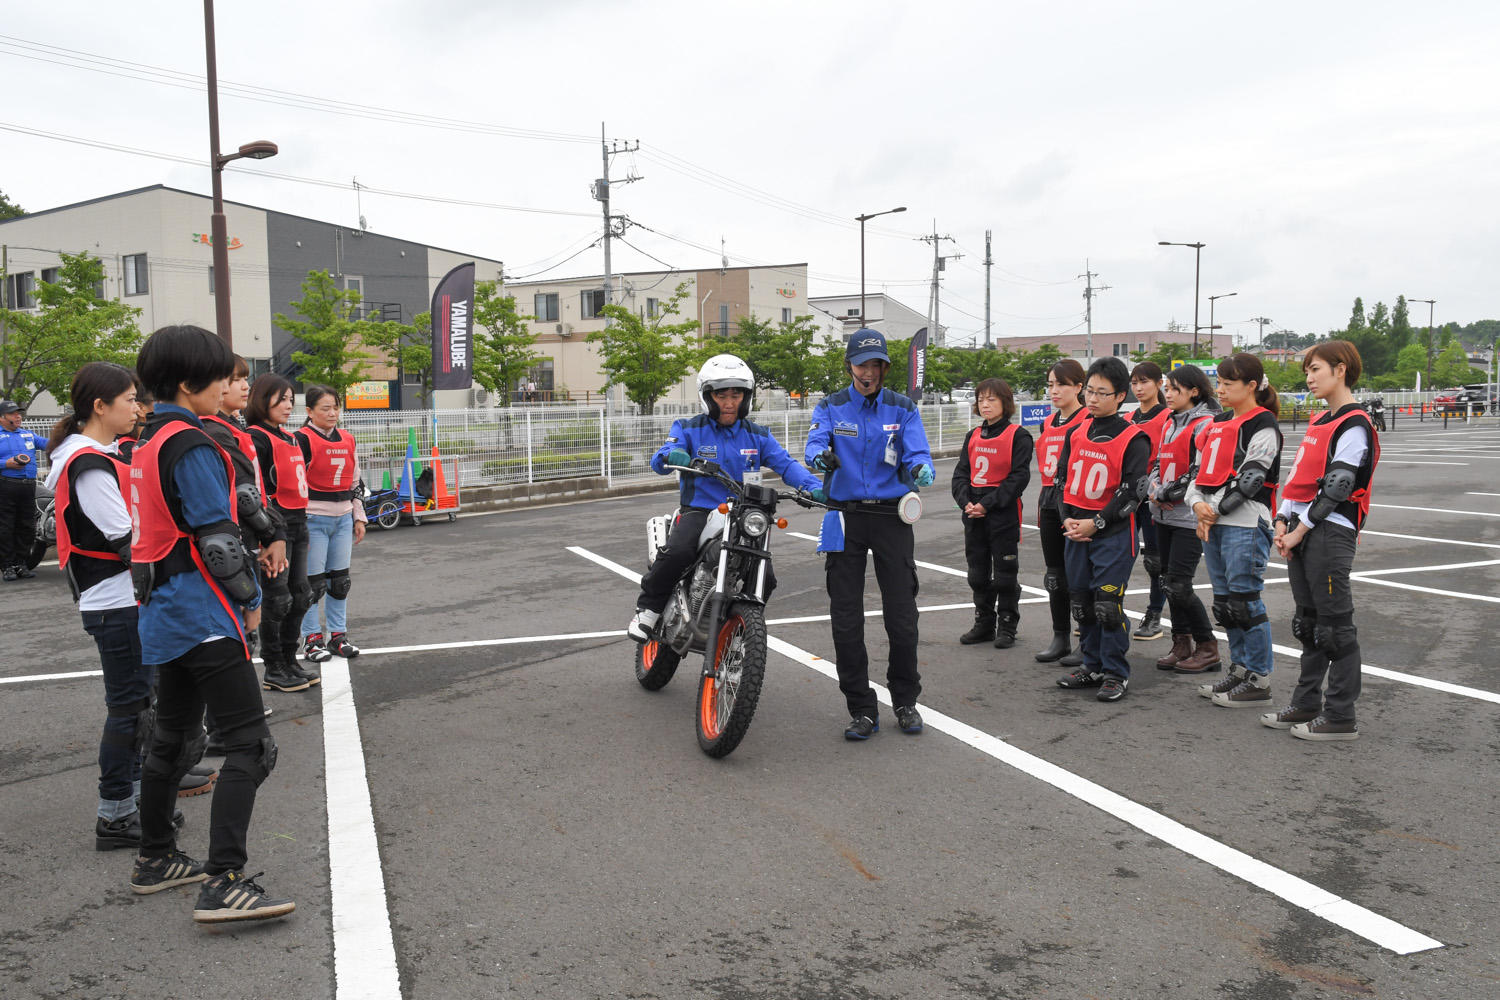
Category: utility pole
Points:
column 989, row 262
column 1089, row 291
column 939, row 264
column 1430, row 304
column 601, row 194
column 1262, row 321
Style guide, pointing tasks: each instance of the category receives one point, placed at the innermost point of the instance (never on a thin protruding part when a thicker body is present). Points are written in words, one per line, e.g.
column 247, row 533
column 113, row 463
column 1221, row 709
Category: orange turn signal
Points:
column 781, row 522
column 723, row 508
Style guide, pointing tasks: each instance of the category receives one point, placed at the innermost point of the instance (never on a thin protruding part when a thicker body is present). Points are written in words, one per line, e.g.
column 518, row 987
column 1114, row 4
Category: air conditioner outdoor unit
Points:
column 559, row 329
column 565, row 329
column 479, row 396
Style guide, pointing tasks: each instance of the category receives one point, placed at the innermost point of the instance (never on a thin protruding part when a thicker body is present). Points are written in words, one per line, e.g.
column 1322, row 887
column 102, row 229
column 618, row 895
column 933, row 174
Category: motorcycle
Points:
column 1376, row 409
column 717, row 608
column 46, row 528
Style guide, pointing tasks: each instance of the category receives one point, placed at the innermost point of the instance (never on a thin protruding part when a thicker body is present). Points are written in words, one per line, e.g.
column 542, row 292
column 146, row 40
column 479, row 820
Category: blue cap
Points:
column 866, row 345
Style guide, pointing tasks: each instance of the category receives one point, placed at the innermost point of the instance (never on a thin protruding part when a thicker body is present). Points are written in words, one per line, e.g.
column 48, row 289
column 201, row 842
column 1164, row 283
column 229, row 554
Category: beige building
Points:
column 567, row 310
column 1121, row 345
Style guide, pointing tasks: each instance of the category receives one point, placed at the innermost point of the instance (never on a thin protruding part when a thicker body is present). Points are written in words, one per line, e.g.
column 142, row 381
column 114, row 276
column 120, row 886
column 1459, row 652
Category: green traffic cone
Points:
column 385, row 480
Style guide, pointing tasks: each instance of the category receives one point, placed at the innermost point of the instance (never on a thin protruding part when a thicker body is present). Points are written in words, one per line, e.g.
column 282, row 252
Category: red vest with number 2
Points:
column 989, row 459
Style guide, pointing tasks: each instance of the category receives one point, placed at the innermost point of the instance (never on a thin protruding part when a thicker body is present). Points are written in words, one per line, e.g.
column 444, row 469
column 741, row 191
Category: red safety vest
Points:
column 1154, row 426
column 1318, row 446
column 68, row 519
column 246, row 444
column 1221, row 446
column 1175, row 457
column 127, row 446
column 990, row 459
column 1095, row 468
column 330, row 470
column 155, row 532
column 1049, row 444
column 290, row 468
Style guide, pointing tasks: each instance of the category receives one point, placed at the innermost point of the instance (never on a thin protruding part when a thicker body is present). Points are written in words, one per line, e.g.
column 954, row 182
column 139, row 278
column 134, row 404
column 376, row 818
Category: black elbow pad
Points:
column 1336, row 486
column 227, row 560
column 252, row 512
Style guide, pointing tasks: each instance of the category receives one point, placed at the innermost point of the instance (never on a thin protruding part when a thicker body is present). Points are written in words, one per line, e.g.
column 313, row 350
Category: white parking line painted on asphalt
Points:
column 1320, row 902
column 364, row 953
column 1435, row 510
column 1424, row 538
column 1427, row 590
column 1408, row 461
column 1423, row 569
column 51, row 677
column 1476, row 493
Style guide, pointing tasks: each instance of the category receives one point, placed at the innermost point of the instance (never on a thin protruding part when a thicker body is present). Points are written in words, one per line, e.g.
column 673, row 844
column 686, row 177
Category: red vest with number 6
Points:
column 1317, row 448
column 246, row 444
column 1095, row 468
column 289, row 466
column 330, row 470
column 1049, row 443
column 1175, row 457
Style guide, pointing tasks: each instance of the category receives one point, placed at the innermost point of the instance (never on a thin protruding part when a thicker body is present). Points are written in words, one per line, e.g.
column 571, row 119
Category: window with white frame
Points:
column 591, row 303
column 653, row 306
column 786, row 315
column 545, row 307
column 137, row 276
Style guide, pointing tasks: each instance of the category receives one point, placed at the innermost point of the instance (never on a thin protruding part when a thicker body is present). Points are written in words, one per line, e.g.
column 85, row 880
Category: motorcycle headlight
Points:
column 756, row 523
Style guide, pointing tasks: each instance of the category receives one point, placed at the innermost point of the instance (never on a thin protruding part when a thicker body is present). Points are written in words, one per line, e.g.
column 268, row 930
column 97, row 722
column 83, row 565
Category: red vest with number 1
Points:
column 1095, row 468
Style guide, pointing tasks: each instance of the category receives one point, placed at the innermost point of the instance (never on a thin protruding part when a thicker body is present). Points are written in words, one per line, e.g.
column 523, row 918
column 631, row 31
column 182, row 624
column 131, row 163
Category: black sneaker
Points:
column 1113, row 688
column 232, row 896
column 909, row 719
column 1288, row 717
column 25, row 572
column 861, row 727
column 1150, row 626
column 10, row 575
column 1324, row 729
column 109, row 835
column 1082, row 677
column 155, row 874
column 281, row 678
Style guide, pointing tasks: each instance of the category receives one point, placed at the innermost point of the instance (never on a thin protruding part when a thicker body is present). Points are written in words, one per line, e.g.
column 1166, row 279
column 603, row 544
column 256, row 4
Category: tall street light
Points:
column 1197, row 268
column 862, row 219
column 257, row 150
column 1211, row 327
column 1430, row 303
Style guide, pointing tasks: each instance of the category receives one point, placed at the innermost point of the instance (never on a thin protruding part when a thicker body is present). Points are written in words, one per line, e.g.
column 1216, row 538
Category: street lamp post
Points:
column 257, row 150
column 861, row 219
column 1430, row 304
column 1211, row 327
column 1197, row 270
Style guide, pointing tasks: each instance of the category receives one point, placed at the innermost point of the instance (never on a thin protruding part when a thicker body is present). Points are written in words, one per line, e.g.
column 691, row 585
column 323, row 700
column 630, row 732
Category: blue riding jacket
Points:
column 859, row 429
column 744, row 446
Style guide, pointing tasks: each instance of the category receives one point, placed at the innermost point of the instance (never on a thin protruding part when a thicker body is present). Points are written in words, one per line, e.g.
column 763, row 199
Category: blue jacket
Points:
column 858, row 428
column 184, row 611
column 744, row 446
column 18, row 442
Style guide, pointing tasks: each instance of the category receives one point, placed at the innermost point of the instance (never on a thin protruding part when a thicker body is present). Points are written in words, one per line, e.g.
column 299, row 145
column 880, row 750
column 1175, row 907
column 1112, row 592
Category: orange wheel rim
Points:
column 711, row 706
column 648, row 656
column 708, row 709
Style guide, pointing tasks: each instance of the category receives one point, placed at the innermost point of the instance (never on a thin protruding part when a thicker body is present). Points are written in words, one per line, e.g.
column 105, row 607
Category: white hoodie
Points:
column 97, row 495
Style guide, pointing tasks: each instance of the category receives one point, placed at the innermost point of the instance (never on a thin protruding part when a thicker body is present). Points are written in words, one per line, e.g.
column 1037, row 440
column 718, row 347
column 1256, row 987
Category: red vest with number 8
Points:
column 289, row 466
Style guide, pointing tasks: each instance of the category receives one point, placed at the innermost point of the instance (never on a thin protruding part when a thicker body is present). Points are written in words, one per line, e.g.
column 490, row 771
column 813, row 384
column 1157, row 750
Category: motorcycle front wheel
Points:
column 655, row 664
column 727, row 700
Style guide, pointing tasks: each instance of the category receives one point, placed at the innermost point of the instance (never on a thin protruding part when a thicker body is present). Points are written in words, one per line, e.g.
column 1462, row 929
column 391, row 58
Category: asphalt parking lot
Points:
column 487, row 804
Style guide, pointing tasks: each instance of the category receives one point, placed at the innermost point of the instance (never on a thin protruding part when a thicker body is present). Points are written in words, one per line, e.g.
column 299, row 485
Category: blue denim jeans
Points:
column 330, row 545
column 126, row 683
column 1236, row 561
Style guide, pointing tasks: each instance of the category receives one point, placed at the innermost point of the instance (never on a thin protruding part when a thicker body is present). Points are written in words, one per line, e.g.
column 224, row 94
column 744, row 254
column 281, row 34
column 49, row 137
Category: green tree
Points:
column 1374, row 349
column 755, row 343
column 649, row 356
column 9, row 209
column 1031, row 369
column 1410, row 360
column 1357, row 317
column 791, row 360
column 1451, row 368
column 71, row 327
column 1400, row 325
column 502, row 341
column 407, row 347
column 334, row 339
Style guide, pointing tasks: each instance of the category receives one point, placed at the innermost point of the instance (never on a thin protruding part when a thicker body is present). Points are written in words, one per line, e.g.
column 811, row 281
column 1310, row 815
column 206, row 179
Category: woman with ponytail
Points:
column 335, row 524
column 1064, row 389
column 93, row 551
column 1232, row 498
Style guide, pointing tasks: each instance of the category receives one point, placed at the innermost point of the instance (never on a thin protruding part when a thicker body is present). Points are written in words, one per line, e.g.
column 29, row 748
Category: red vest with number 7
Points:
column 1095, row 468
column 1049, row 443
column 330, row 470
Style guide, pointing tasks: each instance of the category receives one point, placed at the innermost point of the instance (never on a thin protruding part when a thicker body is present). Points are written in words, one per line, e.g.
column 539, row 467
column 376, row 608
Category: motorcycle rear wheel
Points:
column 655, row 664
column 727, row 700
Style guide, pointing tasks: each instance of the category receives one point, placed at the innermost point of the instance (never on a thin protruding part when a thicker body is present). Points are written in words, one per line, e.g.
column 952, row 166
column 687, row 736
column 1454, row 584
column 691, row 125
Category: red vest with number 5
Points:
column 330, row 470
column 1049, row 443
column 1095, row 468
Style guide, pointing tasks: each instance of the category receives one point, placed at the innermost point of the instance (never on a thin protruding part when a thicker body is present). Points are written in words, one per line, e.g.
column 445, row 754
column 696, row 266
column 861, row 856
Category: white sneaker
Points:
column 642, row 627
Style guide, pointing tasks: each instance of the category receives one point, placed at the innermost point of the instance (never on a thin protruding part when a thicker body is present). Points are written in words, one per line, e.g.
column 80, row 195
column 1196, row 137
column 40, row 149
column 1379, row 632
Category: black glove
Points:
column 827, row 461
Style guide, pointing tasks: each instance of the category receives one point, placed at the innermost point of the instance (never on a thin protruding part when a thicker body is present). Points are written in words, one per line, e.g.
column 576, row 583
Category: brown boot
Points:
column 1182, row 648
column 1205, row 659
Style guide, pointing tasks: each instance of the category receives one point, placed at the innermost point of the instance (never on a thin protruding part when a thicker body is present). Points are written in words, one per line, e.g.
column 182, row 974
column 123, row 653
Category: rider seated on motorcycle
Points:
column 724, row 434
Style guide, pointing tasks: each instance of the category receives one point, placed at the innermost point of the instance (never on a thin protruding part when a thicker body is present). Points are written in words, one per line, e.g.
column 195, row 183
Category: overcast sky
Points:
column 1320, row 150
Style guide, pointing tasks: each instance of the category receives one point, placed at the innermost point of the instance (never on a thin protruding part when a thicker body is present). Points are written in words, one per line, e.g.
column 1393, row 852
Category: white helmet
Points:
column 725, row 371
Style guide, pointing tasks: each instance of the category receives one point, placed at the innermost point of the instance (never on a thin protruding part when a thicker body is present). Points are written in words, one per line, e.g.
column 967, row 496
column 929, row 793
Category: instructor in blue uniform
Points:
column 18, row 448
column 872, row 441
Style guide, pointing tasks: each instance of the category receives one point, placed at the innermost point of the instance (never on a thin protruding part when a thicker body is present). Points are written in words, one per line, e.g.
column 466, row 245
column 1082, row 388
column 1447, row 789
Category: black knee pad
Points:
column 1336, row 640
column 339, row 583
column 1179, row 589
column 1054, row 580
column 1081, row 603
column 1152, row 562
column 1304, row 625
column 317, row 585
column 251, row 750
column 174, row 753
column 302, row 598
column 1221, row 611
column 1239, row 610
column 1109, row 609
column 136, row 726
column 1007, row 579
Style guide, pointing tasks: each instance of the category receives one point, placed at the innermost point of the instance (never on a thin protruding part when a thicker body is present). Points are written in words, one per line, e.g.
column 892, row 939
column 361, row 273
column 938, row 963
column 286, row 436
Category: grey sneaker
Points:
column 1287, row 717
column 1252, row 692
column 1149, row 628
column 1228, row 682
column 1324, row 729
column 232, row 896
column 155, row 874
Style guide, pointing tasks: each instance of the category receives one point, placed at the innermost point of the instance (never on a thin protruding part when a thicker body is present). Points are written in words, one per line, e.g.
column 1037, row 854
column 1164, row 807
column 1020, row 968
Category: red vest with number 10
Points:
column 1317, row 448
column 1095, row 468
column 330, row 470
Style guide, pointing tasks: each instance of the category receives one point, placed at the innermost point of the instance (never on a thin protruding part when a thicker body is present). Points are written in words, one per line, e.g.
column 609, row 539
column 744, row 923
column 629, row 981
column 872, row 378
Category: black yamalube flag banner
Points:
column 916, row 364
column 453, row 329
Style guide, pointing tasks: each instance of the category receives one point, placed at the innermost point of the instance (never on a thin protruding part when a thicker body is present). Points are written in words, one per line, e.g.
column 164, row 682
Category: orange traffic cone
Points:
column 440, row 493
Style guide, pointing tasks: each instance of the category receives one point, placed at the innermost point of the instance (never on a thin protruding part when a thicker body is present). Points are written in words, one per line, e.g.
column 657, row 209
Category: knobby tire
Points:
column 726, row 701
